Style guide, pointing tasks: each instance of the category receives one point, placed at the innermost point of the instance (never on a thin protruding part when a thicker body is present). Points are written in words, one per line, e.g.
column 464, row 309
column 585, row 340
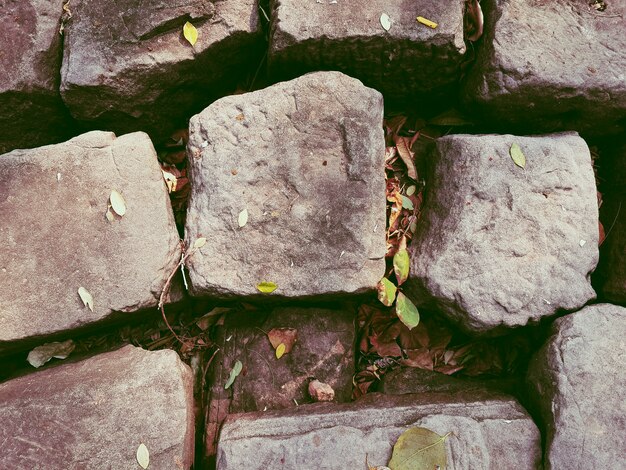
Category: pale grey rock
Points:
column 498, row 245
column 488, row 432
column 409, row 61
column 31, row 109
column 304, row 158
column 578, row 382
column 551, row 65
column 56, row 237
column 95, row 413
column 127, row 66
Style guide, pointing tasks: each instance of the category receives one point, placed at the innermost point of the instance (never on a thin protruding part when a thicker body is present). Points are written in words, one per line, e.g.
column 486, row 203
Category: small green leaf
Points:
column 280, row 350
column 385, row 21
column 517, row 155
column 233, row 374
column 411, row 190
column 406, row 203
column 419, row 448
column 407, row 312
column 386, row 291
column 266, row 287
column 401, row 265
column 143, row 456
column 86, row 297
column 190, row 32
column 199, row 243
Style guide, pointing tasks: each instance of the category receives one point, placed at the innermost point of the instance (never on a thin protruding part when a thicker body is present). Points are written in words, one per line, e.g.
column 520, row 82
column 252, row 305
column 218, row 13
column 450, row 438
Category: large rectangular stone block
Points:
column 56, row 237
column 409, row 61
column 490, row 432
column 288, row 187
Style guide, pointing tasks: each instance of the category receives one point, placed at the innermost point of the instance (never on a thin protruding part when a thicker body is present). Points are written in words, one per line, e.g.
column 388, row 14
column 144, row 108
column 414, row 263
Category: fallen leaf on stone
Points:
column 280, row 350
column 285, row 337
column 118, row 203
column 143, row 456
column 86, row 297
column 407, row 312
column 236, row 370
column 419, row 448
column 243, row 218
column 266, row 287
column 517, row 155
column 42, row 354
column 190, row 32
column 386, row 291
column 426, row 22
column 411, row 190
column 401, row 265
column 199, row 243
column 385, row 21
column 407, row 156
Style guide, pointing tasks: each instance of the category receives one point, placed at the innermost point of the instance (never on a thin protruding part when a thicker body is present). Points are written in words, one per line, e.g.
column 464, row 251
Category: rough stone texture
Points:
column 406, row 62
column 324, row 351
column 127, row 65
column 489, row 432
column 579, row 381
column 498, row 245
column 95, row 413
column 551, row 65
column 305, row 159
column 56, row 238
column 413, row 380
column 31, row 110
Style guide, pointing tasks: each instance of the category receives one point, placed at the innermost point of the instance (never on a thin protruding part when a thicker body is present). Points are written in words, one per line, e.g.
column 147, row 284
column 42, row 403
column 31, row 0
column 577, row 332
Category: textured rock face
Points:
column 149, row 77
column 31, row 110
column 324, row 350
column 408, row 61
column 489, row 432
column 304, row 159
column 95, row 413
column 53, row 202
column 549, row 66
column 499, row 245
column 578, row 380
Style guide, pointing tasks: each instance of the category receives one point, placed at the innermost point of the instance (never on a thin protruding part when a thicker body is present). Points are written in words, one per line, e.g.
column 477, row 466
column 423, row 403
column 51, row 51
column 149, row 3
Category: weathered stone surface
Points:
column 53, row 202
column 547, row 66
column 31, row 110
column 413, row 380
column 95, row 413
column 127, row 66
column 304, row 158
column 408, row 61
column 578, row 379
column 498, row 245
column 324, row 350
column 488, row 432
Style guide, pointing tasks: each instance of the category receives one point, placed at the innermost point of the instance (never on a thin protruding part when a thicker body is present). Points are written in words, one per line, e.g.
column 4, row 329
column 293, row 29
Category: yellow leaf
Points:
column 143, row 456
column 266, row 287
column 190, row 32
column 427, row 22
column 118, row 203
column 280, row 350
